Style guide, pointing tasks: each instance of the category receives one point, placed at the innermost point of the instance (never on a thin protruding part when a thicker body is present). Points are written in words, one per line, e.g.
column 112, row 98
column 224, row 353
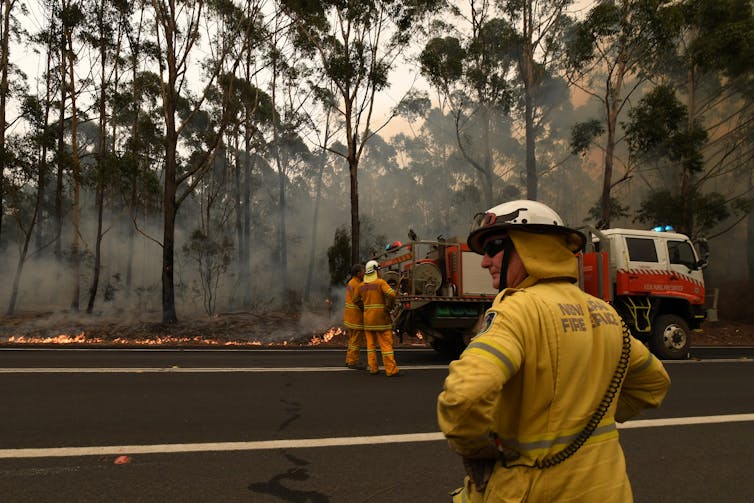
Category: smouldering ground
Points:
column 238, row 329
column 228, row 329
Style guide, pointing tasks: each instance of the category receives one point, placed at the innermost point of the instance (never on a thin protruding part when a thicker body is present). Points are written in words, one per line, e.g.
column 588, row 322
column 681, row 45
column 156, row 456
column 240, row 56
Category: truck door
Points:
column 642, row 260
column 685, row 272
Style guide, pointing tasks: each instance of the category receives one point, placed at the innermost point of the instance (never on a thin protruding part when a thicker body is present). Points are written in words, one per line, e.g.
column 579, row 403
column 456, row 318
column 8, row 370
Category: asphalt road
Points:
column 295, row 426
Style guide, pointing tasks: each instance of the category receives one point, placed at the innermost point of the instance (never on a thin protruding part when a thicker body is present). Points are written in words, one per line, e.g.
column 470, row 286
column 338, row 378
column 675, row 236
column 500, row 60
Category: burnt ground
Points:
column 239, row 329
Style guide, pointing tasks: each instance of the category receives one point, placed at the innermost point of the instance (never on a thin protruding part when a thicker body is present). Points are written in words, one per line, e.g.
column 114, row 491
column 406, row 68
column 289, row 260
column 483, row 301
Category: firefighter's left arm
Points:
column 645, row 385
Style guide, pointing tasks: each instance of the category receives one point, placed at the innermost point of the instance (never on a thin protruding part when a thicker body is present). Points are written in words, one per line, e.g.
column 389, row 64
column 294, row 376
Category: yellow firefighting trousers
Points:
column 385, row 340
column 355, row 341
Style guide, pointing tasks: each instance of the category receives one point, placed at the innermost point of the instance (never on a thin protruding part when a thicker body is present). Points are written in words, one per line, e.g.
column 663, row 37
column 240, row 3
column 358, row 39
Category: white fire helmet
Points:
column 370, row 274
column 524, row 215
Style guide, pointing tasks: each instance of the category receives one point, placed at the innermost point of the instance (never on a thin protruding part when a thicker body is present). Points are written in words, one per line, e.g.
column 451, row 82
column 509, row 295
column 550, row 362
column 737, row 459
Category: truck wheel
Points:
column 450, row 348
column 670, row 337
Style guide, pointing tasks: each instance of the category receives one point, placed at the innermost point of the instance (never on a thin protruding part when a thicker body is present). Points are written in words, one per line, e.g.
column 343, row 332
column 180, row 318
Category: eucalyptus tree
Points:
column 62, row 157
column 178, row 26
column 9, row 32
column 472, row 75
column 135, row 111
column 25, row 164
column 251, row 112
column 538, row 27
column 72, row 18
column 321, row 161
column 611, row 53
column 448, row 190
column 102, row 26
column 695, row 126
column 356, row 45
column 37, row 111
column 210, row 246
column 287, row 149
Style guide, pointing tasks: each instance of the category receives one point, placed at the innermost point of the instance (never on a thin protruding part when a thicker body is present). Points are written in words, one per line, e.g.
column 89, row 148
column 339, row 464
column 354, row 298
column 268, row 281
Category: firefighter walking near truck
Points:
column 531, row 405
column 353, row 319
column 376, row 297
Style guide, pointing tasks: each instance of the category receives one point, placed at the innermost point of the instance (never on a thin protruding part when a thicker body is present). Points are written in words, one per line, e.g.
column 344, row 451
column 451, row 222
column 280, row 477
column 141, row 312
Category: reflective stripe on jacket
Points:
column 352, row 315
column 375, row 296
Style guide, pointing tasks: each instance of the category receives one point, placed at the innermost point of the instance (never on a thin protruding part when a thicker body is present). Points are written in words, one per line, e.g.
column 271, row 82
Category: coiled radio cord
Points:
column 612, row 391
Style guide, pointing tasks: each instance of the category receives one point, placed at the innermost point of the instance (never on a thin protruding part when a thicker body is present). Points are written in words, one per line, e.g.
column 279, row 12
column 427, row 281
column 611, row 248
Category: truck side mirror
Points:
column 703, row 252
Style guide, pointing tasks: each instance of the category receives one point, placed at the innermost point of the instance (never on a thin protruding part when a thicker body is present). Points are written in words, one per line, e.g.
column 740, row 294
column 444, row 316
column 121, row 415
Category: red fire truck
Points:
column 653, row 279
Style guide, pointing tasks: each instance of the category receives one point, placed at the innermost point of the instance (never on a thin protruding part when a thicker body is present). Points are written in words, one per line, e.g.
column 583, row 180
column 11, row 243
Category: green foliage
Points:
column 415, row 105
column 339, row 257
column 442, row 61
column 664, row 208
column 582, row 135
column 212, row 258
column 658, row 128
column 724, row 35
column 617, row 210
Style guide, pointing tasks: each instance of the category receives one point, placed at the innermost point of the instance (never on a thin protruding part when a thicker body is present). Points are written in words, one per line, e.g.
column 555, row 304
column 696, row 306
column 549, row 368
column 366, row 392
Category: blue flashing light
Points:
column 663, row 228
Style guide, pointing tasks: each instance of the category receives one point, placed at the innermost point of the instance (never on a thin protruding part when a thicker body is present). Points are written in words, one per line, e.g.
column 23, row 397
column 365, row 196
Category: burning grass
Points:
column 272, row 329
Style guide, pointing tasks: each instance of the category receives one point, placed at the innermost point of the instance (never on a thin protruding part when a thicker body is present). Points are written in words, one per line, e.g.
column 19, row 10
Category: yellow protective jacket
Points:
column 353, row 317
column 534, row 376
column 376, row 295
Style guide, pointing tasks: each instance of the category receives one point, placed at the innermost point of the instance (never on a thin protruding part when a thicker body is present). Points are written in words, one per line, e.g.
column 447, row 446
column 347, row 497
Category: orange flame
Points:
column 82, row 338
column 327, row 336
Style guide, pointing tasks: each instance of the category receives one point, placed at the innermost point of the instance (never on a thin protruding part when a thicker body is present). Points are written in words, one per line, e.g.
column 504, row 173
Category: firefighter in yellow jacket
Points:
column 353, row 319
column 531, row 406
column 377, row 296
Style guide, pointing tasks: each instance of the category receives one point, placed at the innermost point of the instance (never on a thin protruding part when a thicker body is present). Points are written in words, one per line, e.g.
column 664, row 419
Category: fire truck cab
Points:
column 653, row 279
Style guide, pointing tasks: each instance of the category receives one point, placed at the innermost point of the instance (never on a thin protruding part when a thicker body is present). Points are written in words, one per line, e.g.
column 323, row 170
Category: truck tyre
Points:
column 670, row 338
column 449, row 346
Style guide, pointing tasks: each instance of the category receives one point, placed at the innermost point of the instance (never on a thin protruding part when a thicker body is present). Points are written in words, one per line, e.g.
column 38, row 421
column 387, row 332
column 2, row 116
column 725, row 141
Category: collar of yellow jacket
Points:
column 545, row 255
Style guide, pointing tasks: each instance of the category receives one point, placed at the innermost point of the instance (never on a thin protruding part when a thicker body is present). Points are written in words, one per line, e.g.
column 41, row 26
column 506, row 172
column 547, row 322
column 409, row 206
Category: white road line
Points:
column 685, row 421
column 143, row 370
column 310, row 442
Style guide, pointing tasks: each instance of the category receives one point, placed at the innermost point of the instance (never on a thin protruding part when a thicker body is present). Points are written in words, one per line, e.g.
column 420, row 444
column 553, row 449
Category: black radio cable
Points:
column 612, row 391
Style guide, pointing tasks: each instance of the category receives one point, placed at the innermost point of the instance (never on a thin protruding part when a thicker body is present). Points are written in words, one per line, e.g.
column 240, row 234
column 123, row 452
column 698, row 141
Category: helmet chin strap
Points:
column 507, row 249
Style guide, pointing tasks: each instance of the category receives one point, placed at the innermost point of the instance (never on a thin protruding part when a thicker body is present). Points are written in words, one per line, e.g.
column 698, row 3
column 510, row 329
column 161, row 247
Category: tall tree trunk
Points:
column 750, row 236
column 7, row 8
column 101, row 155
column 237, row 190
column 281, row 160
column 248, row 292
column 613, row 101
column 43, row 165
column 166, row 21
column 61, row 155
column 134, row 171
column 687, row 177
column 355, row 224
column 487, row 160
column 607, row 175
column 530, row 85
column 75, row 259
column 531, row 159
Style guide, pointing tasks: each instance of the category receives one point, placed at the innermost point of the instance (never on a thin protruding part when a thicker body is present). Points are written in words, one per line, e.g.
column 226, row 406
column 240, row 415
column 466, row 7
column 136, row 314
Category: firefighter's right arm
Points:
column 467, row 404
column 645, row 384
